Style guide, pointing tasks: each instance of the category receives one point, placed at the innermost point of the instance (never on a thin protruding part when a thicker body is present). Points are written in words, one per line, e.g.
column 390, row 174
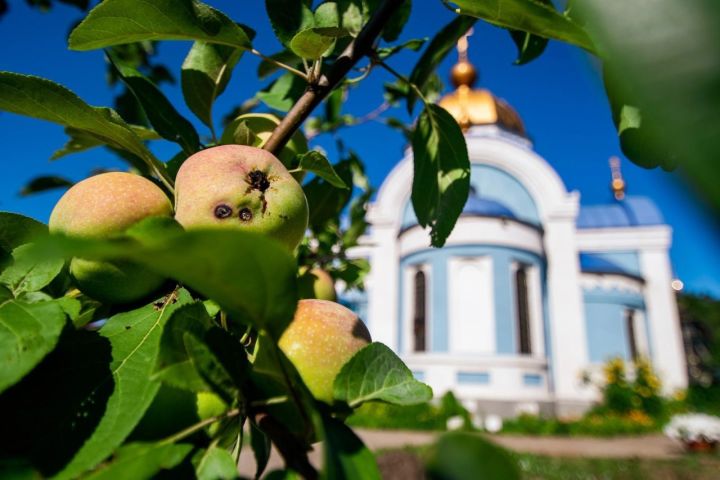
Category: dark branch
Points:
column 317, row 92
column 292, row 450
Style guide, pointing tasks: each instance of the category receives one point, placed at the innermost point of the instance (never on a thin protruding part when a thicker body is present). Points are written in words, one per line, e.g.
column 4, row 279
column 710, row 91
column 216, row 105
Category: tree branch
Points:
column 317, row 92
column 293, row 451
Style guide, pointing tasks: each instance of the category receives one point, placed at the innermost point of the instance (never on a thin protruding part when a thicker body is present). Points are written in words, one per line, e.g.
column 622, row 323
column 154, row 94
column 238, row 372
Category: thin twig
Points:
column 316, row 93
column 200, row 425
column 279, row 64
column 403, row 79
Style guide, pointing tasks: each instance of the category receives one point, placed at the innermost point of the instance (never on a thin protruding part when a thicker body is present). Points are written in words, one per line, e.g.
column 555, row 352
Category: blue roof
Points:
column 592, row 263
column 485, row 207
column 630, row 212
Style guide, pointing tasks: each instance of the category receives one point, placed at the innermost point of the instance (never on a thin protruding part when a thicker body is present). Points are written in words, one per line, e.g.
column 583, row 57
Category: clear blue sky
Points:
column 559, row 97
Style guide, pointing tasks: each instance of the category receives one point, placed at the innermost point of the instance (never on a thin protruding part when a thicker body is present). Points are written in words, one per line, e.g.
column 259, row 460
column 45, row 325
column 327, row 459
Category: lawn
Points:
column 405, row 464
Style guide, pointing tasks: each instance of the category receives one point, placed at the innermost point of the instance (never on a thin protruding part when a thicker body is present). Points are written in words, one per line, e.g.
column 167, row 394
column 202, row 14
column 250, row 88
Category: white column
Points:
column 567, row 318
column 383, row 294
column 471, row 306
column 661, row 308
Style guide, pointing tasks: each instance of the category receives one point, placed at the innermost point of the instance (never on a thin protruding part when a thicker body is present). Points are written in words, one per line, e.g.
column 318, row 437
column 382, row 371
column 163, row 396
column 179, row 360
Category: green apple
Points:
column 244, row 188
column 316, row 283
column 102, row 206
column 321, row 338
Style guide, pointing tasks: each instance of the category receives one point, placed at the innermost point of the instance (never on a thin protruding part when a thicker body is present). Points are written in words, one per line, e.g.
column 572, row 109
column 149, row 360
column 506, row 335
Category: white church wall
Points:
column 471, row 306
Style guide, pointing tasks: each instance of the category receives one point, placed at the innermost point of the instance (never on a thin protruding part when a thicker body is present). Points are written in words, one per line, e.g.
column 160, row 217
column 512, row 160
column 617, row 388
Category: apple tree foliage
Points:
column 172, row 385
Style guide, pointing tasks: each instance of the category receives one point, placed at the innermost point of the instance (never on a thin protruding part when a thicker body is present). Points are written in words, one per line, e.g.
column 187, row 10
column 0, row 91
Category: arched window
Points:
column 419, row 312
column 523, row 312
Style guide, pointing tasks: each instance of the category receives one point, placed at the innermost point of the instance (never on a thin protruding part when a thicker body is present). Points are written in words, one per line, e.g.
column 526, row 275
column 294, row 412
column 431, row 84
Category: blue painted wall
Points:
column 504, row 295
column 605, row 321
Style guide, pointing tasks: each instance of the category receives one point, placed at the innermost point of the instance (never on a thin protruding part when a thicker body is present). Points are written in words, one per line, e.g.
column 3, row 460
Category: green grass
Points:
column 539, row 467
column 690, row 467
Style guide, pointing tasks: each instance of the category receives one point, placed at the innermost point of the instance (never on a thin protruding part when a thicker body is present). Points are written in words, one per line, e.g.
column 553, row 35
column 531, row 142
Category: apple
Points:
column 316, row 283
column 244, row 188
column 321, row 338
column 99, row 207
column 262, row 125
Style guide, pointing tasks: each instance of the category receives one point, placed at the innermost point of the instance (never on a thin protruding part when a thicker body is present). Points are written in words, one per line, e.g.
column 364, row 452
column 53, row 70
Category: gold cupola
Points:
column 477, row 106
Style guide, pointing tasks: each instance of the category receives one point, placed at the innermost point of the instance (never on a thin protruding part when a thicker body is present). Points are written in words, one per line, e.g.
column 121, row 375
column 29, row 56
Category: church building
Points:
column 532, row 289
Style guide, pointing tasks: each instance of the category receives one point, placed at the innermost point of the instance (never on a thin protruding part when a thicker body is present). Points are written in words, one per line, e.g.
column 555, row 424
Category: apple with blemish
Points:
column 243, row 188
column 321, row 338
column 102, row 206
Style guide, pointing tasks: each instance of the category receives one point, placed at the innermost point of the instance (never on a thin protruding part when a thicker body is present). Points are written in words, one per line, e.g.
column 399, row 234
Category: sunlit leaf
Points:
column 443, row 42
column 160, row 112
column 134, row 338
column 377, row 373
column 441, row 182
column 315, row 162
column 115, row 22
column 28, row 332
column 289, row 17
column 532, row 16
column 141, row 460
column 40, row 98
column 205, row 74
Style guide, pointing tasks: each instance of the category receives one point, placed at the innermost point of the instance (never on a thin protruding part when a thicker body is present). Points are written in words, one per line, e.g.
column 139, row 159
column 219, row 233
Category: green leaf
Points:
column 443, row 42
column 353, row 15
column 346, row 457
column 40, row 98
column 28, row 332
column 327, row 21
column 16, row 230
column 532, row 16
column 116, row 22
column 80, row 140
column 529, row 46
column 441, row 182
column 283, row 93
column 315, row 162
column 289, row 17
column 141, row 460
column 256, row 128
column 28, row 273
column 134, row 338
column 197, row 355
column 415, row 44
column 311, row 44
column 376, row 373
column 158, row 109
column 467, row 456
column 214, row 464
column 206, row 72
column 249, row 275
column 261, row 447
column 325, row 201
column 45, row 183
column 397, row 21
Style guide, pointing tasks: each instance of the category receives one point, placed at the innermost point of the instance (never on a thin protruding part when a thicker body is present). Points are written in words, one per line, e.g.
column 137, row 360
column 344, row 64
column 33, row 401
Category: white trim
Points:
column 477, row 231
column 609, row 281
column 635, row 238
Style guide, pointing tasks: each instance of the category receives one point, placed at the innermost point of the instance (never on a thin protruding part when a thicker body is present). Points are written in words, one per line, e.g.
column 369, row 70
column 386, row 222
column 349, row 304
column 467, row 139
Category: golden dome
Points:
column 477, row 106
